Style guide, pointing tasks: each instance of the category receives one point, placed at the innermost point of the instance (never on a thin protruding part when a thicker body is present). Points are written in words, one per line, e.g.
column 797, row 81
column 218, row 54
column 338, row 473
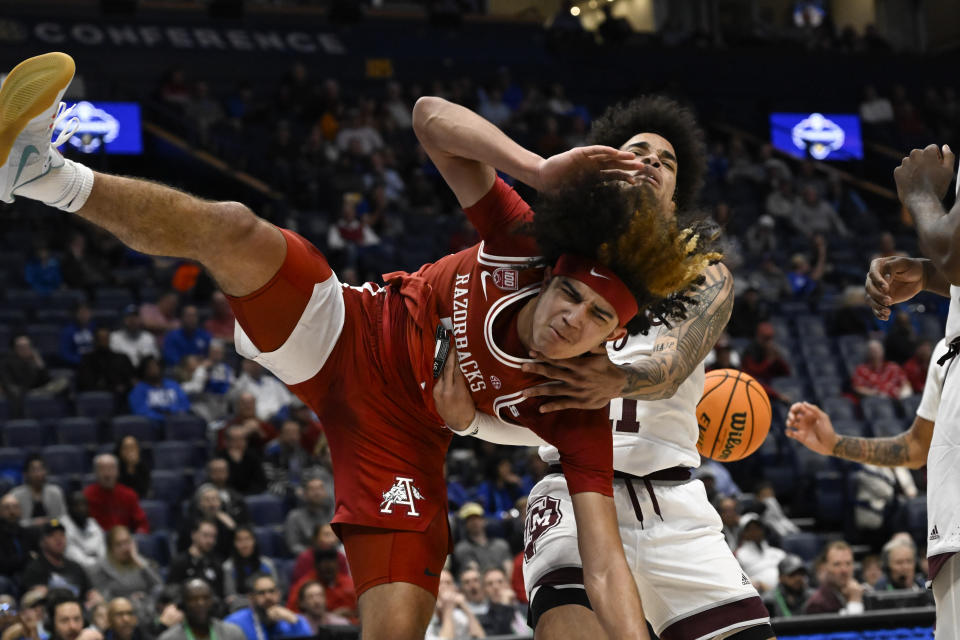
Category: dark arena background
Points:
column 301, row 109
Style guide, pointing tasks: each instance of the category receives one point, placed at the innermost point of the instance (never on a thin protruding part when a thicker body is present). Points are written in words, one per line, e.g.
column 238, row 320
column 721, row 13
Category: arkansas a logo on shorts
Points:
column 402, row 494
column 543, row 514
column 506, row 279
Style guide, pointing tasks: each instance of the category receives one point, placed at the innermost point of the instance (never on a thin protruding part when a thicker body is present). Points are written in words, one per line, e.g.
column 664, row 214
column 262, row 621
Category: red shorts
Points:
column 378, row 556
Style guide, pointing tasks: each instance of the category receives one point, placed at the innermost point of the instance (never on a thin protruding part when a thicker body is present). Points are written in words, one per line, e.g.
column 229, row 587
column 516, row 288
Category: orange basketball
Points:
column 733, row 416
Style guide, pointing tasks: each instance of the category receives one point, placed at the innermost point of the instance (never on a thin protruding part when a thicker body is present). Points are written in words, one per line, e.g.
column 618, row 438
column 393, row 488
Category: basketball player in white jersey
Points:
column 923, row 179
column 691, row 585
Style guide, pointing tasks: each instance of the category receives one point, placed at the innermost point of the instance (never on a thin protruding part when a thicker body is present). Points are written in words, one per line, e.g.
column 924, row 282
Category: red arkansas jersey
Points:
column 480, row 291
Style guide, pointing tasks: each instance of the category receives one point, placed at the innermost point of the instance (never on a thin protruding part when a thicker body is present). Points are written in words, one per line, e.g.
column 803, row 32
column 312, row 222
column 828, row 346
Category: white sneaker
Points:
column 29, row 107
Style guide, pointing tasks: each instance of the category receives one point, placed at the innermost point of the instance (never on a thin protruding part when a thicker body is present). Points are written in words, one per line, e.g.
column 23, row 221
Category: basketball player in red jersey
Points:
column 365, row 358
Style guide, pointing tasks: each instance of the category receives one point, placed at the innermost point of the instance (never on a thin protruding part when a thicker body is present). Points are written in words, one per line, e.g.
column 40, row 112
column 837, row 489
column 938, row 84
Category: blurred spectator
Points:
column 156, row 397
column 763, row 359
column 24, row 370
column 769, row 281
column 286, row 463
column 495, row 618
column 113, row 504
column 875, row 110
column 65, row 612
column 16, row 543
column 901, row 340
column 359, row 135
column 105, row 369
column 124, row 574
column 246, row 465
column 132, row 340
column 807, row 176
column 498, row 494
column 52, row 568
column 199, row 561
column 900, row 566
column 161, row 316
column 323, row 538
column 804, row 280
column 30, row 622
column 758, row 559
column 749, row 310
column 39, row 500
column 887, row 247
column 761, row 237
column 854, row 316
column 792, row 591
column 312, row 438
column 208, row 383
column 780, row 204
column 730, row 517
column 99, row 620
column 134, row 470
column 189, row 339
column 199, row 623
column 871, row 570
column 498, row 592
column 42, row 272
column 123, row 621
column 175, row 89
column 301, row 523
column 273, row 398
column 722, row 480
column 246, row 416
column 812, row 214
column 493, row 108
column 218, row 473
column 265, row 618
column 774, row 518
column 722, row 356
column 475, row 549
column 76, row 338
column 86, row 542
column 221, row 322
column 382, row 174
column 839, row 592
column 312, row 600
column 453, row 619
column 82, row 270
column 396, row 107
column 337, row 584
column 877, row 376
column 203, row 110
column 352, row 236
column 244, row 562
column 880, row 494
column 206, row 506
column 916, row 367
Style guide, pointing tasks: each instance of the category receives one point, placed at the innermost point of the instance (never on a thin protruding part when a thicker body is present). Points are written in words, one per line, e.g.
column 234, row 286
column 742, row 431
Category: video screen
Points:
column 106, row 127
column 820, row 136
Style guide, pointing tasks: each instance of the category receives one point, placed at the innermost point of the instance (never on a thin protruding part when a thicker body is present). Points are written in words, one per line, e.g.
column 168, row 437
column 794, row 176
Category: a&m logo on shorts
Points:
column 506, row 279
column 402, row 493
column 543, row 514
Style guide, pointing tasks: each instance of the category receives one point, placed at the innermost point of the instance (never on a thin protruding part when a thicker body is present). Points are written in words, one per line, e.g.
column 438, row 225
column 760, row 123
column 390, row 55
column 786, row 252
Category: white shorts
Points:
column 690, row 583
column 946, row 591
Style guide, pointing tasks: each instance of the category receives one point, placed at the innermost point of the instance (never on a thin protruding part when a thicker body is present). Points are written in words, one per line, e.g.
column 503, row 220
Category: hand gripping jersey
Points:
column 650, row 435
column 362, row 359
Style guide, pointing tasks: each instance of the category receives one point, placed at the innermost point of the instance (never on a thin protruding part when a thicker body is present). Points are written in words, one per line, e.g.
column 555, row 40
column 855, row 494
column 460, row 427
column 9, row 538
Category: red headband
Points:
column 602, row 280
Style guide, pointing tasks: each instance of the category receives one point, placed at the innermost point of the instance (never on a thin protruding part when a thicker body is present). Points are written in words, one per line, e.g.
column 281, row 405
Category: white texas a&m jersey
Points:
column 650, row 435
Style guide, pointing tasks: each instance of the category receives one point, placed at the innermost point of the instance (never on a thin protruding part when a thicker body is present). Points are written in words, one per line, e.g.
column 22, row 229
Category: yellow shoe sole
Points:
column 29, row 90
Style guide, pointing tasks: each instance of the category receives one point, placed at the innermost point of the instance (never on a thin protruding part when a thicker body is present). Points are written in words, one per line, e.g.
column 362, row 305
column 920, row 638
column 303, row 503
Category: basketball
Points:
column 733, row 415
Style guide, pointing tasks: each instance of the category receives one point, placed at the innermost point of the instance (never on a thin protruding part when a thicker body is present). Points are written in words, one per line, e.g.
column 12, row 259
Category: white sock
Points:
column 66, row 188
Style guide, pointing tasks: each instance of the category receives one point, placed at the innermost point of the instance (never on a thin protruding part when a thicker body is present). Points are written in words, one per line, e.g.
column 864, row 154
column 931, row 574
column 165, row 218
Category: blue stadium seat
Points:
column 185, row 427
column 852, row 347
column 910, row 405
column 825, row 387
column 137, row 426
column 65, row 459
column 154, row 546
column 64, row 299
column 98, row 405
column 270, row 542
column 23, row 299
column 13, row 317
column 889, row 427
column 24, row 434
column 931, row 327
column 809, row 326
column 783, row 477
column 804, row 544
column 4, row 409
column 168, row 486
column 45, row 339
column 848, row 427
column 792, row 387
column 173, row 455
column 158, row 513
column 53, row 316
column 808, row 462
column 45, row 406
column 820, row 366
column 916, row 514
column 830, row 489
column 839, row 408
column 877, row 408
column 105, row 317
column 113, row 298
column 265, row 509
column 63, row 482
column 77, row 430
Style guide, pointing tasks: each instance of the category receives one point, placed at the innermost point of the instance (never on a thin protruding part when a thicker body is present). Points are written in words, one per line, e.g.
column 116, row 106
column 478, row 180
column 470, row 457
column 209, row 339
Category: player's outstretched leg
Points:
column 241, row 251
column 396, row 611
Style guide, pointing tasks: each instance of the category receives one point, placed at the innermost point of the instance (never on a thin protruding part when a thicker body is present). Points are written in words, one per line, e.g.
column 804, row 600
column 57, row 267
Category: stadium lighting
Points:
column 574, row 11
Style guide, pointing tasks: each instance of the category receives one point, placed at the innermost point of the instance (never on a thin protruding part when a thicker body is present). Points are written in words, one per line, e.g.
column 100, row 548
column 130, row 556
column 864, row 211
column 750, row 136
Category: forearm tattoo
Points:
column 883, row 452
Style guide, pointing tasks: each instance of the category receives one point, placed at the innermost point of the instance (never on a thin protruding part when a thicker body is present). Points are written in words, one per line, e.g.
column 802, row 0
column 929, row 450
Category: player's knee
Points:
column 407, row 624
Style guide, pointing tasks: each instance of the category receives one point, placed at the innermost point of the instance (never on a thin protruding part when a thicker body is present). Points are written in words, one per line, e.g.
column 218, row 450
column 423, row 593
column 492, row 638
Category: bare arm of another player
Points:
column 894, row 280
column 809, row 425
column 241, row 251
column 590, row 382
column 610, row 585
column 466, row 148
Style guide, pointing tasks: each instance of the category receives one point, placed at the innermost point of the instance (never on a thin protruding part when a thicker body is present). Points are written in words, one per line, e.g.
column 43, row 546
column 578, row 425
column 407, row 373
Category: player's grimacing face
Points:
column 661, row 160
column 571, row 319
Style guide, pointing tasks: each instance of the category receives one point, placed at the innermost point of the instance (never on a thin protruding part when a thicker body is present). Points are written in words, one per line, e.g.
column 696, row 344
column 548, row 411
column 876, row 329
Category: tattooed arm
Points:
column 678, row 352
column 591, row 381
column 811, row 427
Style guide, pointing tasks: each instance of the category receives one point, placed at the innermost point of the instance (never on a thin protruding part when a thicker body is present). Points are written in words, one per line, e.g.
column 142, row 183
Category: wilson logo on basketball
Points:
column 738, row 423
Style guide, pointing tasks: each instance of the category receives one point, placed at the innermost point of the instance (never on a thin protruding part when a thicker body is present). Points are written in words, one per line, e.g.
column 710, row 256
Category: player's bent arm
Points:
column 466, row 147
column 492, row 429
column 938, row 232
column 909, row 449
column 610, row 585
column 934, row 280
column 679, row 351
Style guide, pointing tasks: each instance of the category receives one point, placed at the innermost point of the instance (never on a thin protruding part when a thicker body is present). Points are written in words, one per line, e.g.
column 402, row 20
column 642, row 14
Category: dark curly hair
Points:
column 624, row 229
column 664, row 117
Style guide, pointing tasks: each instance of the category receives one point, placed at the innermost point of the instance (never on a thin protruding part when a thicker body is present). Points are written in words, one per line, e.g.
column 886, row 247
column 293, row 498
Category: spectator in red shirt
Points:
column 764, row 360
column 323, row 538
column 221, row 322
column 877, row 376
column 341, row 595
column 112, row 504
column 916, row 366
column 258, row 432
